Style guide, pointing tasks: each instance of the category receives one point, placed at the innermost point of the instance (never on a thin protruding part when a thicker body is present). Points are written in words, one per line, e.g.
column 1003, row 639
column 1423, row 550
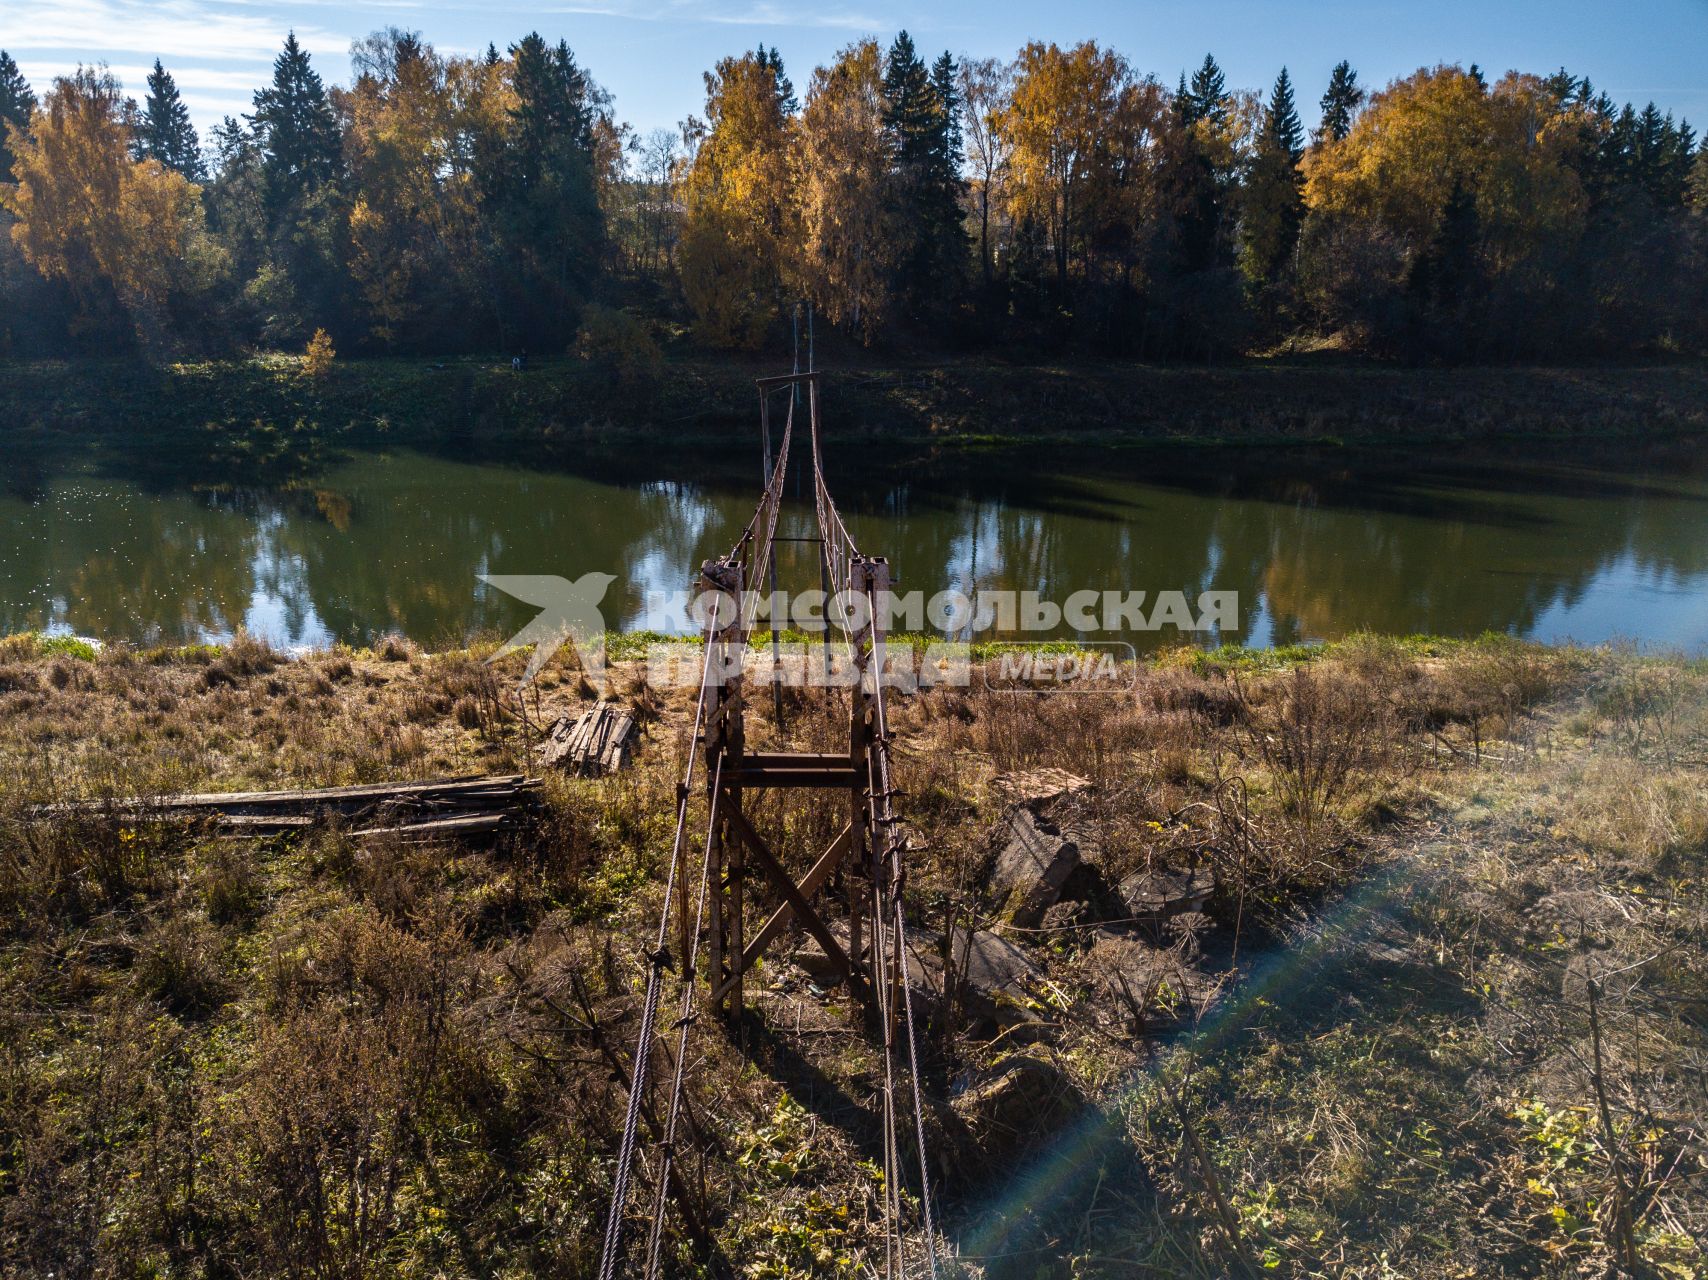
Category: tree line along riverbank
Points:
column 276, row 418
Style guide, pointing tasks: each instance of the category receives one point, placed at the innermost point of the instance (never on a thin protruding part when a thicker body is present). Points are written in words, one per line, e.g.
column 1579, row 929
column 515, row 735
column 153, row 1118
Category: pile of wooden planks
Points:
column 422, row 810
column 594, row 744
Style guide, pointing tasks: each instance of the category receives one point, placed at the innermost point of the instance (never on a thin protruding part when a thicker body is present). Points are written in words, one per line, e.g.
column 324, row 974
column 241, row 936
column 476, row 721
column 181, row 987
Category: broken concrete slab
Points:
column 994, row 977
column 994, row 966
column 1034, row 860
column 1147, row 986
column 1159, row 892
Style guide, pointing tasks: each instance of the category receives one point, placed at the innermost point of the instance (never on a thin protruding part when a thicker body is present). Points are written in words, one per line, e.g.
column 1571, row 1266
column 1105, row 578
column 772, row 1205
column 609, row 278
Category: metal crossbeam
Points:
column 786, row 379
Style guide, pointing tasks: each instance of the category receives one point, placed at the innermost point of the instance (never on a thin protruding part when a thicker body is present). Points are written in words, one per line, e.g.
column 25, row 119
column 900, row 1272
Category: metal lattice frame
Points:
column 874, row 964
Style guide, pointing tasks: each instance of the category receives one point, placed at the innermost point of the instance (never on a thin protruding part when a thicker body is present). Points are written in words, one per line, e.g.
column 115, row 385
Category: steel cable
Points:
column 612, row 1254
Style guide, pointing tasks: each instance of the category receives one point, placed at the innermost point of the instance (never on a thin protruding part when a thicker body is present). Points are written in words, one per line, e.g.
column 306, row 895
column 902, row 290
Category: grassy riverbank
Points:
column 265, row 419
column 374, row 1059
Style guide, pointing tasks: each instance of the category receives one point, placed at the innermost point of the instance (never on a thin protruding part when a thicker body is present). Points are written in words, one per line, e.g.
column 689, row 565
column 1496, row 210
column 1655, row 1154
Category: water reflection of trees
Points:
column 422, row 531
column 1326, row 562
column 397, row 542
column 103, row 559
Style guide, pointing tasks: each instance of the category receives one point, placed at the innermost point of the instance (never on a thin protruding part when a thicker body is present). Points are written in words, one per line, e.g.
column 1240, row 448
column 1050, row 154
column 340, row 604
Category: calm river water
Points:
column 1315, row 546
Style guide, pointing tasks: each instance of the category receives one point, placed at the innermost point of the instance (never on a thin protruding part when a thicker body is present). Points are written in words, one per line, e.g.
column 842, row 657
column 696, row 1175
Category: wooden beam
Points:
column 462, row 825
column 839, row 777
column 501, row 786
column 803, row 909
column 815, row 880
column 785, row 379
column 792, row 759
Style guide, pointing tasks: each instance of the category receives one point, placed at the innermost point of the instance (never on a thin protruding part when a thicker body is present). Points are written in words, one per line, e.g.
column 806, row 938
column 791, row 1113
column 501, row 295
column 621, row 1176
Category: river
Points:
column 1314, row 545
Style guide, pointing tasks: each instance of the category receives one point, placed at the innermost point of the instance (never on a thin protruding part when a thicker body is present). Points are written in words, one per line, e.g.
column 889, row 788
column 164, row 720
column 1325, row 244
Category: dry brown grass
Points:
column 324, row 1057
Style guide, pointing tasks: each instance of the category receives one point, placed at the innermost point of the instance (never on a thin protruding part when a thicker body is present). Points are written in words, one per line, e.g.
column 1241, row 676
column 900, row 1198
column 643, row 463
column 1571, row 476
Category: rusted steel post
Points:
column 860, row 755
column 735, row 745
column 724, row 736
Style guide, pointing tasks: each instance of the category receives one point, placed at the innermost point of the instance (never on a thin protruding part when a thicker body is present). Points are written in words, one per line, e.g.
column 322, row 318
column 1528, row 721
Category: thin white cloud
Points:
column 166, row 29
column 219, row 50
column 204, row 80
column 748, row 13
column 218, row 53
column 778, row 15
column 210, row 95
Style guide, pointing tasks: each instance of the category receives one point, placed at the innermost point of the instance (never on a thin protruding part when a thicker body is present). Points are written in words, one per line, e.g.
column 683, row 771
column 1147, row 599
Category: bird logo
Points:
column 569, row 611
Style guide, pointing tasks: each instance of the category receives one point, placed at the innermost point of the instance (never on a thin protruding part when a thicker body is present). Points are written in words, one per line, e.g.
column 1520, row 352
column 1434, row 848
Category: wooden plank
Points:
column 322, row 796
column 803, row 909
column 335, row 795
column 785, row 379
column 462, row 824
column 596, row 743
column 814, row 880
column 794, row 760
column 842, row 777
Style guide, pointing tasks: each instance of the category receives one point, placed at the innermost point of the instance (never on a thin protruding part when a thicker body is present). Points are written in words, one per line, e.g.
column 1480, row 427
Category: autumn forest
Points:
column 1061, row 201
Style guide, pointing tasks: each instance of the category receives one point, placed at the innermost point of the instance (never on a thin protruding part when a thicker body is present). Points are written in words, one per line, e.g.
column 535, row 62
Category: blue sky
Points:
column 650, row 53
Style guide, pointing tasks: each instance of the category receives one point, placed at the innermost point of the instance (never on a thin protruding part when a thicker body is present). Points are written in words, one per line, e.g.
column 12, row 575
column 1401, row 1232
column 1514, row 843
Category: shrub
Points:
column 178, row 966
column 229, row 887
column 1317, row 738
column 69, row 646
column 245, row 656
column 317, row 357
column 620, row 344
column 396, row 648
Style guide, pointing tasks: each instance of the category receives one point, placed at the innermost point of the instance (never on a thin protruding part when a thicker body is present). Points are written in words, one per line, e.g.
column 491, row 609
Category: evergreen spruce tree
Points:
column 908, row 106
column 1660, row 156
column 1200, row 189
column 164, row 132
column 1281, row 125
column 1565, row 88
column 551, row 105
column 1209, row 93
column 1189, row 174
column 295, row 126
column 1649, row 146
column 1446, row 278
column 1340, row 103
column 550, row 232
column 951, row 243
column 945, row 82
column 1618, row 159
column 921, row 107
column 17, row 105
column 1275, row 204
column 1680, row 158
column 786, row 101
